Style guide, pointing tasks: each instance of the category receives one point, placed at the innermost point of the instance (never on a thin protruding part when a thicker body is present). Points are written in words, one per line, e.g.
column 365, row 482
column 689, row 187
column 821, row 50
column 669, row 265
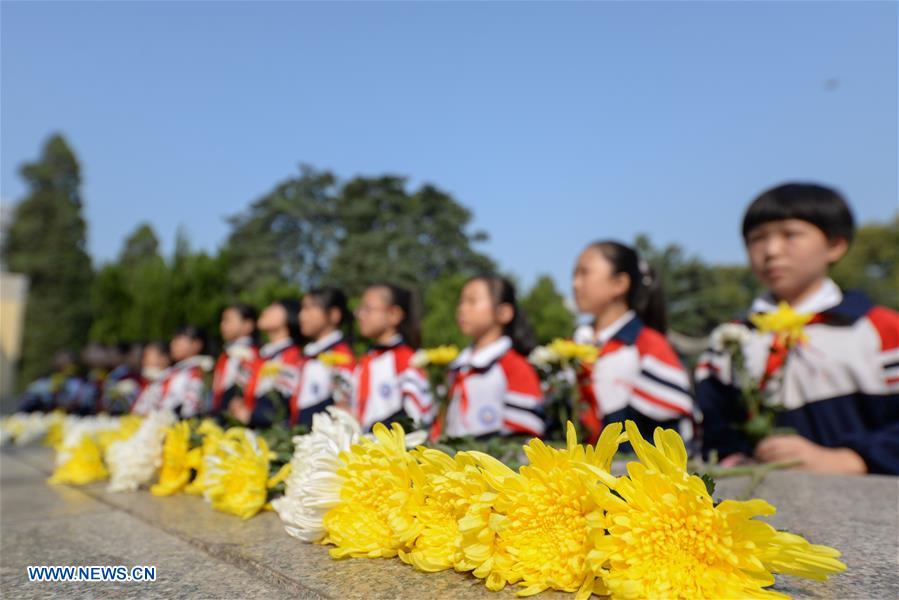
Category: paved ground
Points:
column 199, row 553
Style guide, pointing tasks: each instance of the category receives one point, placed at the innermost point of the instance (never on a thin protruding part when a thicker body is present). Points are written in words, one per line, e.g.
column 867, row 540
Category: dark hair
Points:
column 518, row 329
column 292, row 308
column 329, row 298
column 821, row 206
column 159, row 345
column 247, row 313
column 193, row 332
column 407, row 300
column 645, row 295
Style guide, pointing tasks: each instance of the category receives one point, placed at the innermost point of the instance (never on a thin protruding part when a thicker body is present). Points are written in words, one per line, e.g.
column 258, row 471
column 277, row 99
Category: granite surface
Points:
column 200, row 553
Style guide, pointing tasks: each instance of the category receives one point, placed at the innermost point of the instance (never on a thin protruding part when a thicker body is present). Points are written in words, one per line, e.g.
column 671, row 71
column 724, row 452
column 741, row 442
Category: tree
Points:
column 546, row 310
column 699, row 296
column 141, row 246
column 46, row 241
column 439, row 323
column 412, row 239
column 288, row 235
column 871, row 263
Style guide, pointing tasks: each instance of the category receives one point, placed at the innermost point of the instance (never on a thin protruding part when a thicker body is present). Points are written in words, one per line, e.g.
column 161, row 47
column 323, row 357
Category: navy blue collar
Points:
column 853, row 307
column 629, row 333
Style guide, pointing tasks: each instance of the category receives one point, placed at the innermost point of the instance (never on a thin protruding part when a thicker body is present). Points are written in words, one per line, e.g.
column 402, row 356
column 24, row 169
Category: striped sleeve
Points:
column 662, row 388
column 523, row 398
column 886, row 323
column 418, row 403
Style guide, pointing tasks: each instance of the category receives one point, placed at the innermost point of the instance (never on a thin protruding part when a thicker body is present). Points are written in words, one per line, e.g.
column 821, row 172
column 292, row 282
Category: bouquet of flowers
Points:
column 557, row 364
column 761, row 396
column 434, row 362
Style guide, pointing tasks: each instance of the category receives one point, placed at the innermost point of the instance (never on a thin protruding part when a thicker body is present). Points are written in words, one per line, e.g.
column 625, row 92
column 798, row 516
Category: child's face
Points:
column 233, row 326
column 274, row 317
column 476, row 315
column 791, row 256
column 594, row 283
column 182, row 347
column 315, row 321
column 375, row 316
column 153, row 358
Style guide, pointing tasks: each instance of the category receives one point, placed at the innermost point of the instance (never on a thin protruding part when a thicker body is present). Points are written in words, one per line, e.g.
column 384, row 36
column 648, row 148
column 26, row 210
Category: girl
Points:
column 273, row 376
column 493, row 388
column 184, row 389
column 238, row 329
column 638, row 375
column 328, row 362
column 155, row 364
column 385, row 385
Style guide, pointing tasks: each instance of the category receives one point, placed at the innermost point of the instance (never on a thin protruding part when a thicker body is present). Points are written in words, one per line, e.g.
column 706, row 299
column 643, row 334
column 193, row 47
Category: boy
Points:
column 837, row 384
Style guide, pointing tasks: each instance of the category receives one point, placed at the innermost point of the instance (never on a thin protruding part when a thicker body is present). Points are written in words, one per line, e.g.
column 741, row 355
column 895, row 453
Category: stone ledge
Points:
column 224, row 554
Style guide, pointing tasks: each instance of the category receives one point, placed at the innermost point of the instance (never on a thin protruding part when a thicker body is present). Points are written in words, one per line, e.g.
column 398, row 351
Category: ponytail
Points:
column 519, row 329
column 330, row 298
column 645, row 295
column 408, row 301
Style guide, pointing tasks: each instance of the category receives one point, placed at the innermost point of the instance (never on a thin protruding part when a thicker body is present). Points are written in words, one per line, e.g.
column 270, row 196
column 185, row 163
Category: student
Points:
column 123, row 384
column 637, row 375
column 238, row 329
column 838, row 387
column 155, row 364
column 328, row 361
column 385, row 385
column 184, row 387
column 55, row 390
column 274, row 375
column 95, row 357
column 493, row 388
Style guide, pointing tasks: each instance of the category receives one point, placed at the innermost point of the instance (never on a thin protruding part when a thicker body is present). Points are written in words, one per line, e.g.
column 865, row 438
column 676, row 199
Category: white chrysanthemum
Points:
column 419, row 359
column 313, row 486
column 24, row 428
column 544, row 357
column 133, row 462
column 729, row 335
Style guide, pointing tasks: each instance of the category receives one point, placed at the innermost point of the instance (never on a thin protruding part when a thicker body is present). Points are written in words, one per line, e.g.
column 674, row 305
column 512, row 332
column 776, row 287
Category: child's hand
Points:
column 812, row 457
column 239, row 411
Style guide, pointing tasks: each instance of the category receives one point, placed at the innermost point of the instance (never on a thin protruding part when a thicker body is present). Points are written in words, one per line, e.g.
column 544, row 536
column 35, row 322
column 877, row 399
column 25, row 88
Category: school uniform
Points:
column 87, row 399
column 839, row 388
column 493, row 391
column 149, row 398
column 386, row 387
column 637, row 376
column 316, row 388
column 271, row 380
column 231, row 371
column 183, row 390
column 120, row 390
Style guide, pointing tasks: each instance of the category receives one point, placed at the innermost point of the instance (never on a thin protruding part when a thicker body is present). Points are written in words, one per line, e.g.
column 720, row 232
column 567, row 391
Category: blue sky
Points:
column 555, row 123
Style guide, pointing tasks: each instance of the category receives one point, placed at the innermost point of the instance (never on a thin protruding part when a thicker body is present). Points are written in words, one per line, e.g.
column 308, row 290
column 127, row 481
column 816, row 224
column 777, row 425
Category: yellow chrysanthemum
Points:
column 545, row 516
column 569, row 350
column 237, row 474
column 667, row 539
column 55, row 430
column 334, row 359
column 374, row 518
column 126, row 428
column 441, row 355
column 211, row 433
column 270, row 369
column 785, row 323
column 83, row 464
column 176, row 469
column 449, row 490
